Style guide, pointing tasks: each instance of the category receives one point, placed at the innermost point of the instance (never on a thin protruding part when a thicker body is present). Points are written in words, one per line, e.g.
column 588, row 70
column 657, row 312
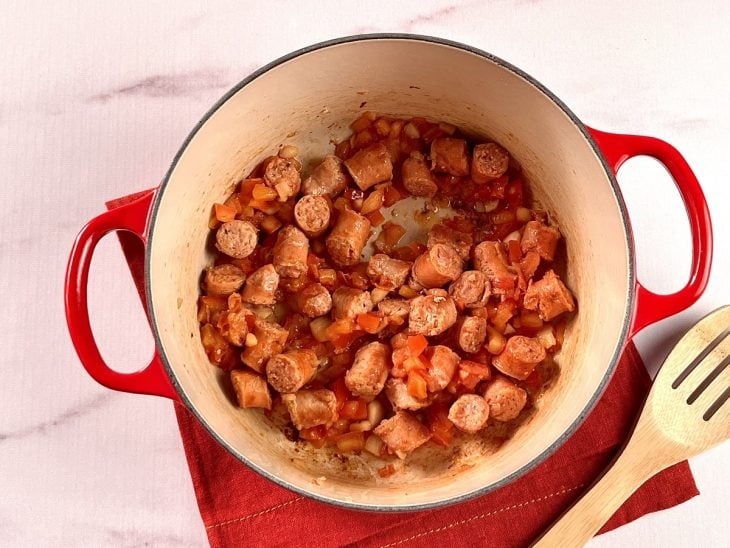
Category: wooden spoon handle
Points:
column 632, row 467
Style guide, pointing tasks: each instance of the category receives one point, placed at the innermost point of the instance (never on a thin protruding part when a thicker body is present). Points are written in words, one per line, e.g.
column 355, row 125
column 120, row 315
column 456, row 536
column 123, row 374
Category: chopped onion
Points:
column 523, row 214
column 376, row 412
column 318, row 327
column 288, row 151
column 490, row 205
column 374, row 445
column 512, row 236
column 378, row 294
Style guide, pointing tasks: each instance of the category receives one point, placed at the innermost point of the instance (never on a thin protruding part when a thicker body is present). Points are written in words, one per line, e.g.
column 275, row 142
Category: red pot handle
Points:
column 652, row 307
column 131, row 217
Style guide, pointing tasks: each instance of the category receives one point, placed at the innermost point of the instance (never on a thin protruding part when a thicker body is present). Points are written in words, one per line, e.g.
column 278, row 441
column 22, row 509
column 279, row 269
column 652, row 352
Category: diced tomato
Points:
column 314, row 263
column 472, row 373
column 417, row 386
column 314, row 433
column 209, row 307
column 247, row 189
column 344, row 342
column 437, row 419
column 354, row 410
column 416, row 344
column 461, row 224
column 369, row 322
column 514, row 251
column 376, row 218
column 389, row 237
column 219, row 351
column 341, row 392
column 502, row 314
column 361, row 122
column 343, row 149
column 386, row 471
column 391, row 195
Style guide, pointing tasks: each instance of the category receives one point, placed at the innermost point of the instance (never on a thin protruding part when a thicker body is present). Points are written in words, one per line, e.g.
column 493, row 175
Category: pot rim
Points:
column 628, row 311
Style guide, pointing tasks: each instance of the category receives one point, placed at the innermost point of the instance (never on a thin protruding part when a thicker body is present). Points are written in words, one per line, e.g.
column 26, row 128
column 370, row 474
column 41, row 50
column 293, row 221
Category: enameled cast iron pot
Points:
column 308, row 98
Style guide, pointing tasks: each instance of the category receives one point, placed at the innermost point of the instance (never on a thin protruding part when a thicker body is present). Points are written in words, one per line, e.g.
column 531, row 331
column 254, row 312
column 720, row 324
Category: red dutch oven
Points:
column 308, row 98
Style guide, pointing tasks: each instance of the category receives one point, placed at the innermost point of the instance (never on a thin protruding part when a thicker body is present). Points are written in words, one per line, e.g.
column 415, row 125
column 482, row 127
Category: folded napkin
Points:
column 240, row 508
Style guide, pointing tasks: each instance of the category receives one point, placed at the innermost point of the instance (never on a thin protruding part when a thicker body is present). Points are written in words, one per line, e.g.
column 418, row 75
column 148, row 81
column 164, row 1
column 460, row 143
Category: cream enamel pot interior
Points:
column 308, row 99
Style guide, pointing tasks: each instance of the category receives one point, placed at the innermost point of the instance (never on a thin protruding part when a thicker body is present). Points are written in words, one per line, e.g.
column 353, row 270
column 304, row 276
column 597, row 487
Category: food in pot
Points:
column 371, row 337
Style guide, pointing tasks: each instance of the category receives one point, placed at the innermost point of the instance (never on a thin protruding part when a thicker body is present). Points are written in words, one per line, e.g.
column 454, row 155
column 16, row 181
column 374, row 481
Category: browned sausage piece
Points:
column 386, row 272
column 549, row 297
column 312, row 215
column 540, row 238
column 288, row 372
column 369, row 370
column 233, row 326
column 290, row 252
column 236, row 239
column 348, row 302
column 397, row 393
column 270, row 340
column 490, row 258
column 450, row 155
column 469, row 413
column 471, row 332
column 308, row 408
column 395, row 307
column 283, row 175
column 370, row 166
column 261, row 286
column 488, row 162
column 313, row 300
column 431, row 314
column 460, row 241
column 444, row 362
column 417, row 176
column 471, row 289
column 224, row 279
column 402, row 433
column 439, row 265
column 506, row 400
column 251, row 389
column 348, row 238
column 519, row 357
column 327, row 179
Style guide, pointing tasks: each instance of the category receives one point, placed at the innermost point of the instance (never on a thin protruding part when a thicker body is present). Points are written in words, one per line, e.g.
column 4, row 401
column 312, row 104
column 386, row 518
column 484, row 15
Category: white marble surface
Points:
column 97, row 96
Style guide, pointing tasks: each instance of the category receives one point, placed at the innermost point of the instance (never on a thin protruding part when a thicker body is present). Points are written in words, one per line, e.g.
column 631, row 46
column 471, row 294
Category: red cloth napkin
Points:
column 240, row 508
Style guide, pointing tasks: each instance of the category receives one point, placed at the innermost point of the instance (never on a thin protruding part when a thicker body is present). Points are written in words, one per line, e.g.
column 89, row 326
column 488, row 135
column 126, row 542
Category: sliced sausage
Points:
column 386, row 272
column 348, row 238
column 348, row 302
column 519, row 357
column 284, row 172
column 450, row 155
column 471, row 289
column 431, row 314
column 290, row 252
column 444, row 362
column 488, row 162
column 313, row 300
column 261, row 286
column 469, row 413
column 397, row 393
column 471, row 332
column 540, row 238
column 370, row 166
column 251, row 389
column 417, row 177
column 369, row 370
column 290, row 371
column 439, row 265
column 490, row 258
column 312, row 215
column 233, row 326
column 402, row 433
column 549, row 297
column 327, row 179
column 506, row 400
column 309, row 408
column 394, row 307
column 270, row 340
column 224, row 279
column 236, row 239
column 460, row 241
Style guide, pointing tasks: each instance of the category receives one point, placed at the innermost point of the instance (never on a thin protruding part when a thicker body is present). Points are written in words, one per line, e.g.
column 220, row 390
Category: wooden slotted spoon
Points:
column 683, row 415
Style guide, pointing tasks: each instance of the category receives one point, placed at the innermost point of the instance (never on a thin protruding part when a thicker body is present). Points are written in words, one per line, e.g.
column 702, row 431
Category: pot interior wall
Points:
column 309, row 101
